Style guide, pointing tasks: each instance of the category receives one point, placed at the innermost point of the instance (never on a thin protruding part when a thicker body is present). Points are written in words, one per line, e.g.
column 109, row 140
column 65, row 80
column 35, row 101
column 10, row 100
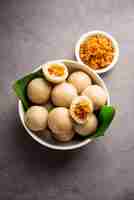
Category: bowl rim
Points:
column 91, row 33
column 43, row 142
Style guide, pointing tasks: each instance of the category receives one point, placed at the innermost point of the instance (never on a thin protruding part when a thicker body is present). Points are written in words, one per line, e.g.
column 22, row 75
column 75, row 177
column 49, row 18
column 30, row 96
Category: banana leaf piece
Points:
column 20, row 87
column 106, row 116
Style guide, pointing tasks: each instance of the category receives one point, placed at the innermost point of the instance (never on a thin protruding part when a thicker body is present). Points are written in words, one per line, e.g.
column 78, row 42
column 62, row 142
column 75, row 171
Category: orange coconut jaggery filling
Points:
column 56, row 70
column 97, row 51
column 81, row 110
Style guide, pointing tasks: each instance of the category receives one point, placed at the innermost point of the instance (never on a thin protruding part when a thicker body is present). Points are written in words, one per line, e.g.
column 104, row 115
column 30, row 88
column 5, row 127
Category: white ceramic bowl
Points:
column 88, row 35
column 49, row 141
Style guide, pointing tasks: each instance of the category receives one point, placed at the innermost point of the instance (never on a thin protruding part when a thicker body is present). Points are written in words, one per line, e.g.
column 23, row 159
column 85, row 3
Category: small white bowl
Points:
column 50, row 142
column 92, row 33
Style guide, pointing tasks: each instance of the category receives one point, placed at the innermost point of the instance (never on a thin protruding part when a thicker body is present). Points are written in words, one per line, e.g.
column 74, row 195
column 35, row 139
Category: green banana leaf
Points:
column 105, row 118
column 105, row 115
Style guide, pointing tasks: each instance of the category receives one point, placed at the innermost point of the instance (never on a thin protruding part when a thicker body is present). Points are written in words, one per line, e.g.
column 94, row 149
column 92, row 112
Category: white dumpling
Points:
column 63, row 94
column 38, row 91
column 87, row 128
column 36, row 118
column 60, row 123
column 97, row 95
column 80, row 80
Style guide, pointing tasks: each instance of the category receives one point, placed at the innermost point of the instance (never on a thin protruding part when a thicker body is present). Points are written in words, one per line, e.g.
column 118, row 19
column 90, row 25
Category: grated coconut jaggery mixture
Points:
column 97, row 51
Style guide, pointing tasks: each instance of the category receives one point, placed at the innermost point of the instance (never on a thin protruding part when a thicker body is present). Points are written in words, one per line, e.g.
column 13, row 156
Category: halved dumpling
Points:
column 55, row 72
column 80, row 108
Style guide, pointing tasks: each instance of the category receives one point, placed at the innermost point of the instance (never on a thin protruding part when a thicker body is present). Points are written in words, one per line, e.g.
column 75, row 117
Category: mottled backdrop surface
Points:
column 35, row 31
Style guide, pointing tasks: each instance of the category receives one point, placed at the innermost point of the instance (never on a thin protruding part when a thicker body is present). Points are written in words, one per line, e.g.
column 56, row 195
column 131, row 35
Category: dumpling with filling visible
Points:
column 80, row 108
column 55, row 72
